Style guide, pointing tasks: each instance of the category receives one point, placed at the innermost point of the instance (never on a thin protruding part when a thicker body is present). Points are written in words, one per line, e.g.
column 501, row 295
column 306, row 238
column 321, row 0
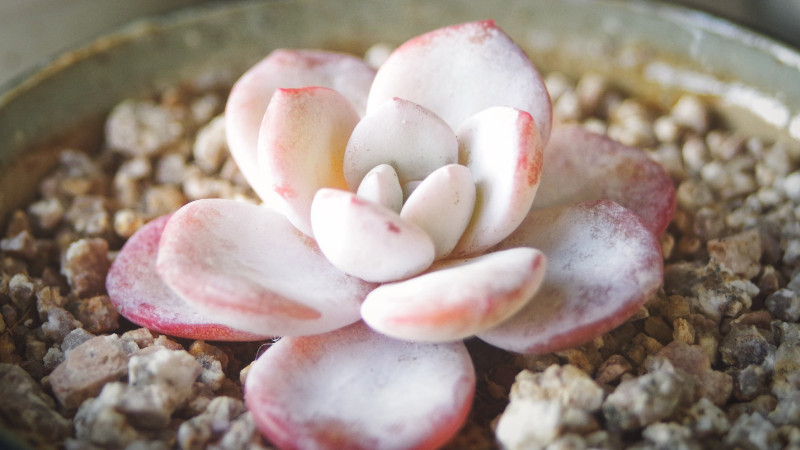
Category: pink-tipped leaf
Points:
column 139, row 294
column 251, row 269
column 580, row 165
column 602, row 265
column 301, row 147
column 502, row 149
column 284, row 68
column 367, row 240
column 356, row 389
column 462, row 69
column 406, row 136
column 456, row 299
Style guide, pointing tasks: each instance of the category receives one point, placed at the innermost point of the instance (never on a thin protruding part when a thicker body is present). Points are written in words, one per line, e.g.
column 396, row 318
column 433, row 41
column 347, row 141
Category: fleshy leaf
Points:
column 250, row 268
column 503, row 151
column 458, row 298
column 603, row 264
column 580, row 165
column 139, row 295
column 283, row 68
column 356, row 389
column 367, row 240
column 404, row 135
column 442, row 205
column 460, row 70
column 301, row 147
column 382, row 186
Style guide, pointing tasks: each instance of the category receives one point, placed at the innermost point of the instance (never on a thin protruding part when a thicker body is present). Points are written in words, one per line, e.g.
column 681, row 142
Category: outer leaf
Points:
column 503, row 151
column 250, row 96
column 357, row 389
column 456, row 299
column 603, row 264
column 462, row 69
column 301, row 147
column 251, row 269
column 141, row 296
column 580, row 165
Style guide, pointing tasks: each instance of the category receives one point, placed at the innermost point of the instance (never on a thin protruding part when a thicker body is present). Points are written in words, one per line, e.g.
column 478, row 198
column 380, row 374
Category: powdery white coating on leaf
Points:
column 356, row 389
column 457, row 299
column 502, row 149
column 283, row 68
column 462, row 69
column 382, row 186
column 301, row 148
column 442, row 205
column 603, row 264
column 141, row 296
column 367, row 240
column 580, row 165
column 406, row 136
column 250, row 268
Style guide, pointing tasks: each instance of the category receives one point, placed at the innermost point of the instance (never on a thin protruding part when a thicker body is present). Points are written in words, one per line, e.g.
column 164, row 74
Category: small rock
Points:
column 147, row 407
column 683, row 331
column 21, row 289
column 612, row 369
column 567, row 385
column 97, row 314
column 48, row 298
column 174, row 369
column 127, row 222
column 749, row 383
column 638, row 402
column 740, row 253
column 786, row 371
column 22, row 245
column 60, row 323
column 87, row 368
column 787, row 412
column 744, row 346
column 28, row 409
column 53, row 358
column 669, row 435
column 211, row 146
column 140, row 128
column 784, row 304
column 75, row 338
column 763, row 405
column 706, row 419
column 86, row 265
column 209, row 426
column 692, row 113
column 142, row 337
column 98, row 422
column 170, row 169
column 529, row 423
column 788, row 333
column 753, row 431
column 46, row 213
column 89, row 215
column 692, row 359
column 163, row 199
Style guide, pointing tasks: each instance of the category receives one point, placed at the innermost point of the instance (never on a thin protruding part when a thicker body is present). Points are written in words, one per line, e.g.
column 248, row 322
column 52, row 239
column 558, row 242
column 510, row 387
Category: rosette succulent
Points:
column 404, row 211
